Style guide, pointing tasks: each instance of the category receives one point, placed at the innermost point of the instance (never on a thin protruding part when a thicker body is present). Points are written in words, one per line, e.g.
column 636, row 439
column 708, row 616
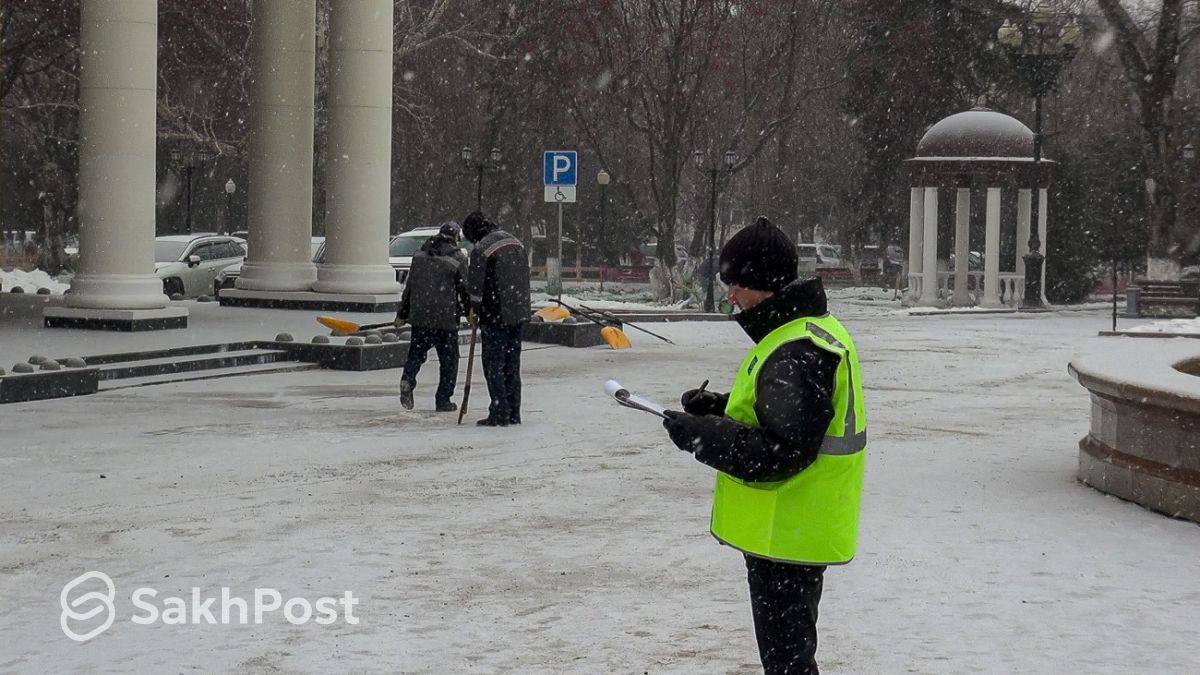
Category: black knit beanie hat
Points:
column 760, row 257
column 475, row 227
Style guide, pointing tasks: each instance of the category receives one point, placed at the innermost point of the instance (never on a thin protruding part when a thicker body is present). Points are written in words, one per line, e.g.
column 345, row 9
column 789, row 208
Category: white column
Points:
column 991, row 251
column 916, row 224
column 1043, row 207
column 117, row 84
column 281, row 147
column 929, row 248
column 962, row 248
column 358, row 199
column 1024, row 201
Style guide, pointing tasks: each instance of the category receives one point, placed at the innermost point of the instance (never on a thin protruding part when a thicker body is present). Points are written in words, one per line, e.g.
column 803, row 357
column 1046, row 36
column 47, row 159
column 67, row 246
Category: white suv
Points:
column 188, row 263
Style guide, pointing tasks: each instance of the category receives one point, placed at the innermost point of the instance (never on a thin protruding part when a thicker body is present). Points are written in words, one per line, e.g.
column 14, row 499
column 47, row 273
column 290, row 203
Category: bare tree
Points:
column 1152, row 69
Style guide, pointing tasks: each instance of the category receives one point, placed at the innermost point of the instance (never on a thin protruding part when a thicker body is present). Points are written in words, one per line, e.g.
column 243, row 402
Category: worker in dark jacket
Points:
column 788, row 443
column 434, row 299
column 498, row 283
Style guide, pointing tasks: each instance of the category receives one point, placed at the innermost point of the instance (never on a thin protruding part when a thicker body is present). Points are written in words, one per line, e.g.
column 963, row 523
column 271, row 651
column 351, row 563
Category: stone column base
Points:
column 310, row 300
column 127, row 320
column 356, row 280
column 277, row 276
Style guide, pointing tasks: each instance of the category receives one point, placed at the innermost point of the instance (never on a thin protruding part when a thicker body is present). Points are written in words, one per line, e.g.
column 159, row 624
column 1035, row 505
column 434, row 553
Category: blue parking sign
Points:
column 559, row 167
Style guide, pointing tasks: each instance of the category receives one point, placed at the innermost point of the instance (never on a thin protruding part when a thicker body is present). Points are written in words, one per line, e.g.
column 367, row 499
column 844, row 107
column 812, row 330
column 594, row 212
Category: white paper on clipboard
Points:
column 630, row 400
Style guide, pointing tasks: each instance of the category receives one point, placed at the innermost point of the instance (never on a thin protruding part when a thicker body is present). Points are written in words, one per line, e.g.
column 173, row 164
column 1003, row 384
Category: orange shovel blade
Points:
column 338, row 326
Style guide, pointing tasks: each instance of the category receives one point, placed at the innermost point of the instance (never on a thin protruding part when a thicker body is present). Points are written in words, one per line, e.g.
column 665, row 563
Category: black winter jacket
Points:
column 435, row 294
column 499, row 280
column 794, row 402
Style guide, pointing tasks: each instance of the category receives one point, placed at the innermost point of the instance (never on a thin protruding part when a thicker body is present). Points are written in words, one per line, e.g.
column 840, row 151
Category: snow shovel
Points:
column 614, row 337
column 607, row 316
column 470, row 368
column 344, row 327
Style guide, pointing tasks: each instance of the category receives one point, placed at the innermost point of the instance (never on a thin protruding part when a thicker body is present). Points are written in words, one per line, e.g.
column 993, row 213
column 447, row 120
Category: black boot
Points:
column 448, row 406
column 406, row 394
column 492, row 422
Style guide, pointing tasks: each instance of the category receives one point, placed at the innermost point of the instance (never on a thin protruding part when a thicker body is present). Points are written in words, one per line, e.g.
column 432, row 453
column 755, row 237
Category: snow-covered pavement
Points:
column 578, row 541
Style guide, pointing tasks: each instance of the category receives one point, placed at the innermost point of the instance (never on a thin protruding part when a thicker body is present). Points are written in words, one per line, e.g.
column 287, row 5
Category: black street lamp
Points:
column 603, row 179
column 713, row 172
column 1039, row 46
column 230, row 188
column 187, row 163
column 487, row 164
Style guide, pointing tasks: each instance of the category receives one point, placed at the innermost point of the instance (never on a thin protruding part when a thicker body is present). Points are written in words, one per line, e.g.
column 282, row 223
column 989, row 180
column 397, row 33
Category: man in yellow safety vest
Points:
column 788, row 442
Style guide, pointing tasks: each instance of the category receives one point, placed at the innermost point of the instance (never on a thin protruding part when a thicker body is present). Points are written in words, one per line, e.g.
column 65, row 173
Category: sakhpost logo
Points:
column 76, row 610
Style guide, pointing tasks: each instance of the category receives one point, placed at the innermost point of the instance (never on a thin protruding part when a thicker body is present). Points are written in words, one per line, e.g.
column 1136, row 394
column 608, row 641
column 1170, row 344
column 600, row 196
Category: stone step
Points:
column 210, row 374
column 168, row 365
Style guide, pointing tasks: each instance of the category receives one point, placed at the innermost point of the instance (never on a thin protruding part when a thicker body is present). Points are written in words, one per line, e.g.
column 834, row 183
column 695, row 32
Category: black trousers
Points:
column 446, row 344
column 502, row 369
column 784, row 600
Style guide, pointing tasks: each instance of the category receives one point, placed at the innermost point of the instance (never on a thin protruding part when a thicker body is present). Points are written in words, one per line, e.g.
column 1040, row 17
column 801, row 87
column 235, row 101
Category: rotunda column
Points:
column 929, row 250
column 916, row 236
column 1024, row 202
column 962, row 248
column 991, row 252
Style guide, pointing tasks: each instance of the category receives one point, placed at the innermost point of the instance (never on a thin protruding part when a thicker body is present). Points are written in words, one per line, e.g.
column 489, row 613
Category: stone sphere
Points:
column 374, row 340
column 16, row 289
column 177, row 296
column 354, row 342
column 284, row 337
column 43, row 291
column 22, row 368
column 391, row 337
column 38, row 358
column 51, row 365
column 75, row 362
column 204, row 298
column 320, row 339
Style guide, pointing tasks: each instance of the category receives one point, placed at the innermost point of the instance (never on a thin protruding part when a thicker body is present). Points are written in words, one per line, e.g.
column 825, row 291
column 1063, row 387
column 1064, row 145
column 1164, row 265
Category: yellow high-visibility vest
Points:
column 812, row 517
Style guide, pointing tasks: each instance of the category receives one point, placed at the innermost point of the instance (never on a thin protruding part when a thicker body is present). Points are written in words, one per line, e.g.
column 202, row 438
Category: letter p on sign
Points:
column 559, row 168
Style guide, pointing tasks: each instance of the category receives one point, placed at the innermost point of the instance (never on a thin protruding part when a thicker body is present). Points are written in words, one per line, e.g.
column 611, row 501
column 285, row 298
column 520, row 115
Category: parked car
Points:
column 875, row 261
column 227, row 277
column 404, row 245
column 824, row 255
column 974, row 263
column 188, row 263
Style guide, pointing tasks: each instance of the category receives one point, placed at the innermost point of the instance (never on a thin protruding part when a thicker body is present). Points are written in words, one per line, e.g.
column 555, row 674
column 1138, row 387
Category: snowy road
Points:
column 578, row 542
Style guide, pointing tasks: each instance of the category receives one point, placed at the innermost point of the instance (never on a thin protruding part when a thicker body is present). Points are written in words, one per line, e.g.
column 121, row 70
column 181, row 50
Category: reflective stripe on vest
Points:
column 811, row 517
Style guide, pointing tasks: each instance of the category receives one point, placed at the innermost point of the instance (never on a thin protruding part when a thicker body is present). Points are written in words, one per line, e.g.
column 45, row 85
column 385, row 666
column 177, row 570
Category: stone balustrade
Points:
column 1144, row 442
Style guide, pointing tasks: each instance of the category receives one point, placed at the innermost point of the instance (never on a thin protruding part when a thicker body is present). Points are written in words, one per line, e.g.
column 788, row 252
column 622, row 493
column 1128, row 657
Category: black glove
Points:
column 703, row 402
column 683, row 428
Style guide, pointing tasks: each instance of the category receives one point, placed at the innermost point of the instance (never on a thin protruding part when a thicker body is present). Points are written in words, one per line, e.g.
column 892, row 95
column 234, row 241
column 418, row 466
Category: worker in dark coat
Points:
column 434, row 299
column 498, row 284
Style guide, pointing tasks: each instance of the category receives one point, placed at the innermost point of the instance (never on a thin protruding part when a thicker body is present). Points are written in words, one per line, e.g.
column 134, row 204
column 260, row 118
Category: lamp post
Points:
column 187, row 163
column 603, row 180
column 1039, row 46
column 489, row 163
column 713, row 171
column 230, row 188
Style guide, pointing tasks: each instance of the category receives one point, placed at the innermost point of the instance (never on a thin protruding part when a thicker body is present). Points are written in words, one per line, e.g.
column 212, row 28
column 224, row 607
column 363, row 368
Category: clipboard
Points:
column 630, row 400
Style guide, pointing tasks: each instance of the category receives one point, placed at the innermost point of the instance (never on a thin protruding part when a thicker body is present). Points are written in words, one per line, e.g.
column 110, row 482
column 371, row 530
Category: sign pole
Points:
column 558, row 268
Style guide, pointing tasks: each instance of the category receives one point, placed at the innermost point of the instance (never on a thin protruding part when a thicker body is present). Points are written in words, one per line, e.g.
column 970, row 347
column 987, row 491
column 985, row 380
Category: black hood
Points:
column 804, row 297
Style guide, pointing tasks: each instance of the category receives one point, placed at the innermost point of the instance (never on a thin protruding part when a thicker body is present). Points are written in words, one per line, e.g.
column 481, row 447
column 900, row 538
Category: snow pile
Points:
column 30, row 282
column 1181, row 326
